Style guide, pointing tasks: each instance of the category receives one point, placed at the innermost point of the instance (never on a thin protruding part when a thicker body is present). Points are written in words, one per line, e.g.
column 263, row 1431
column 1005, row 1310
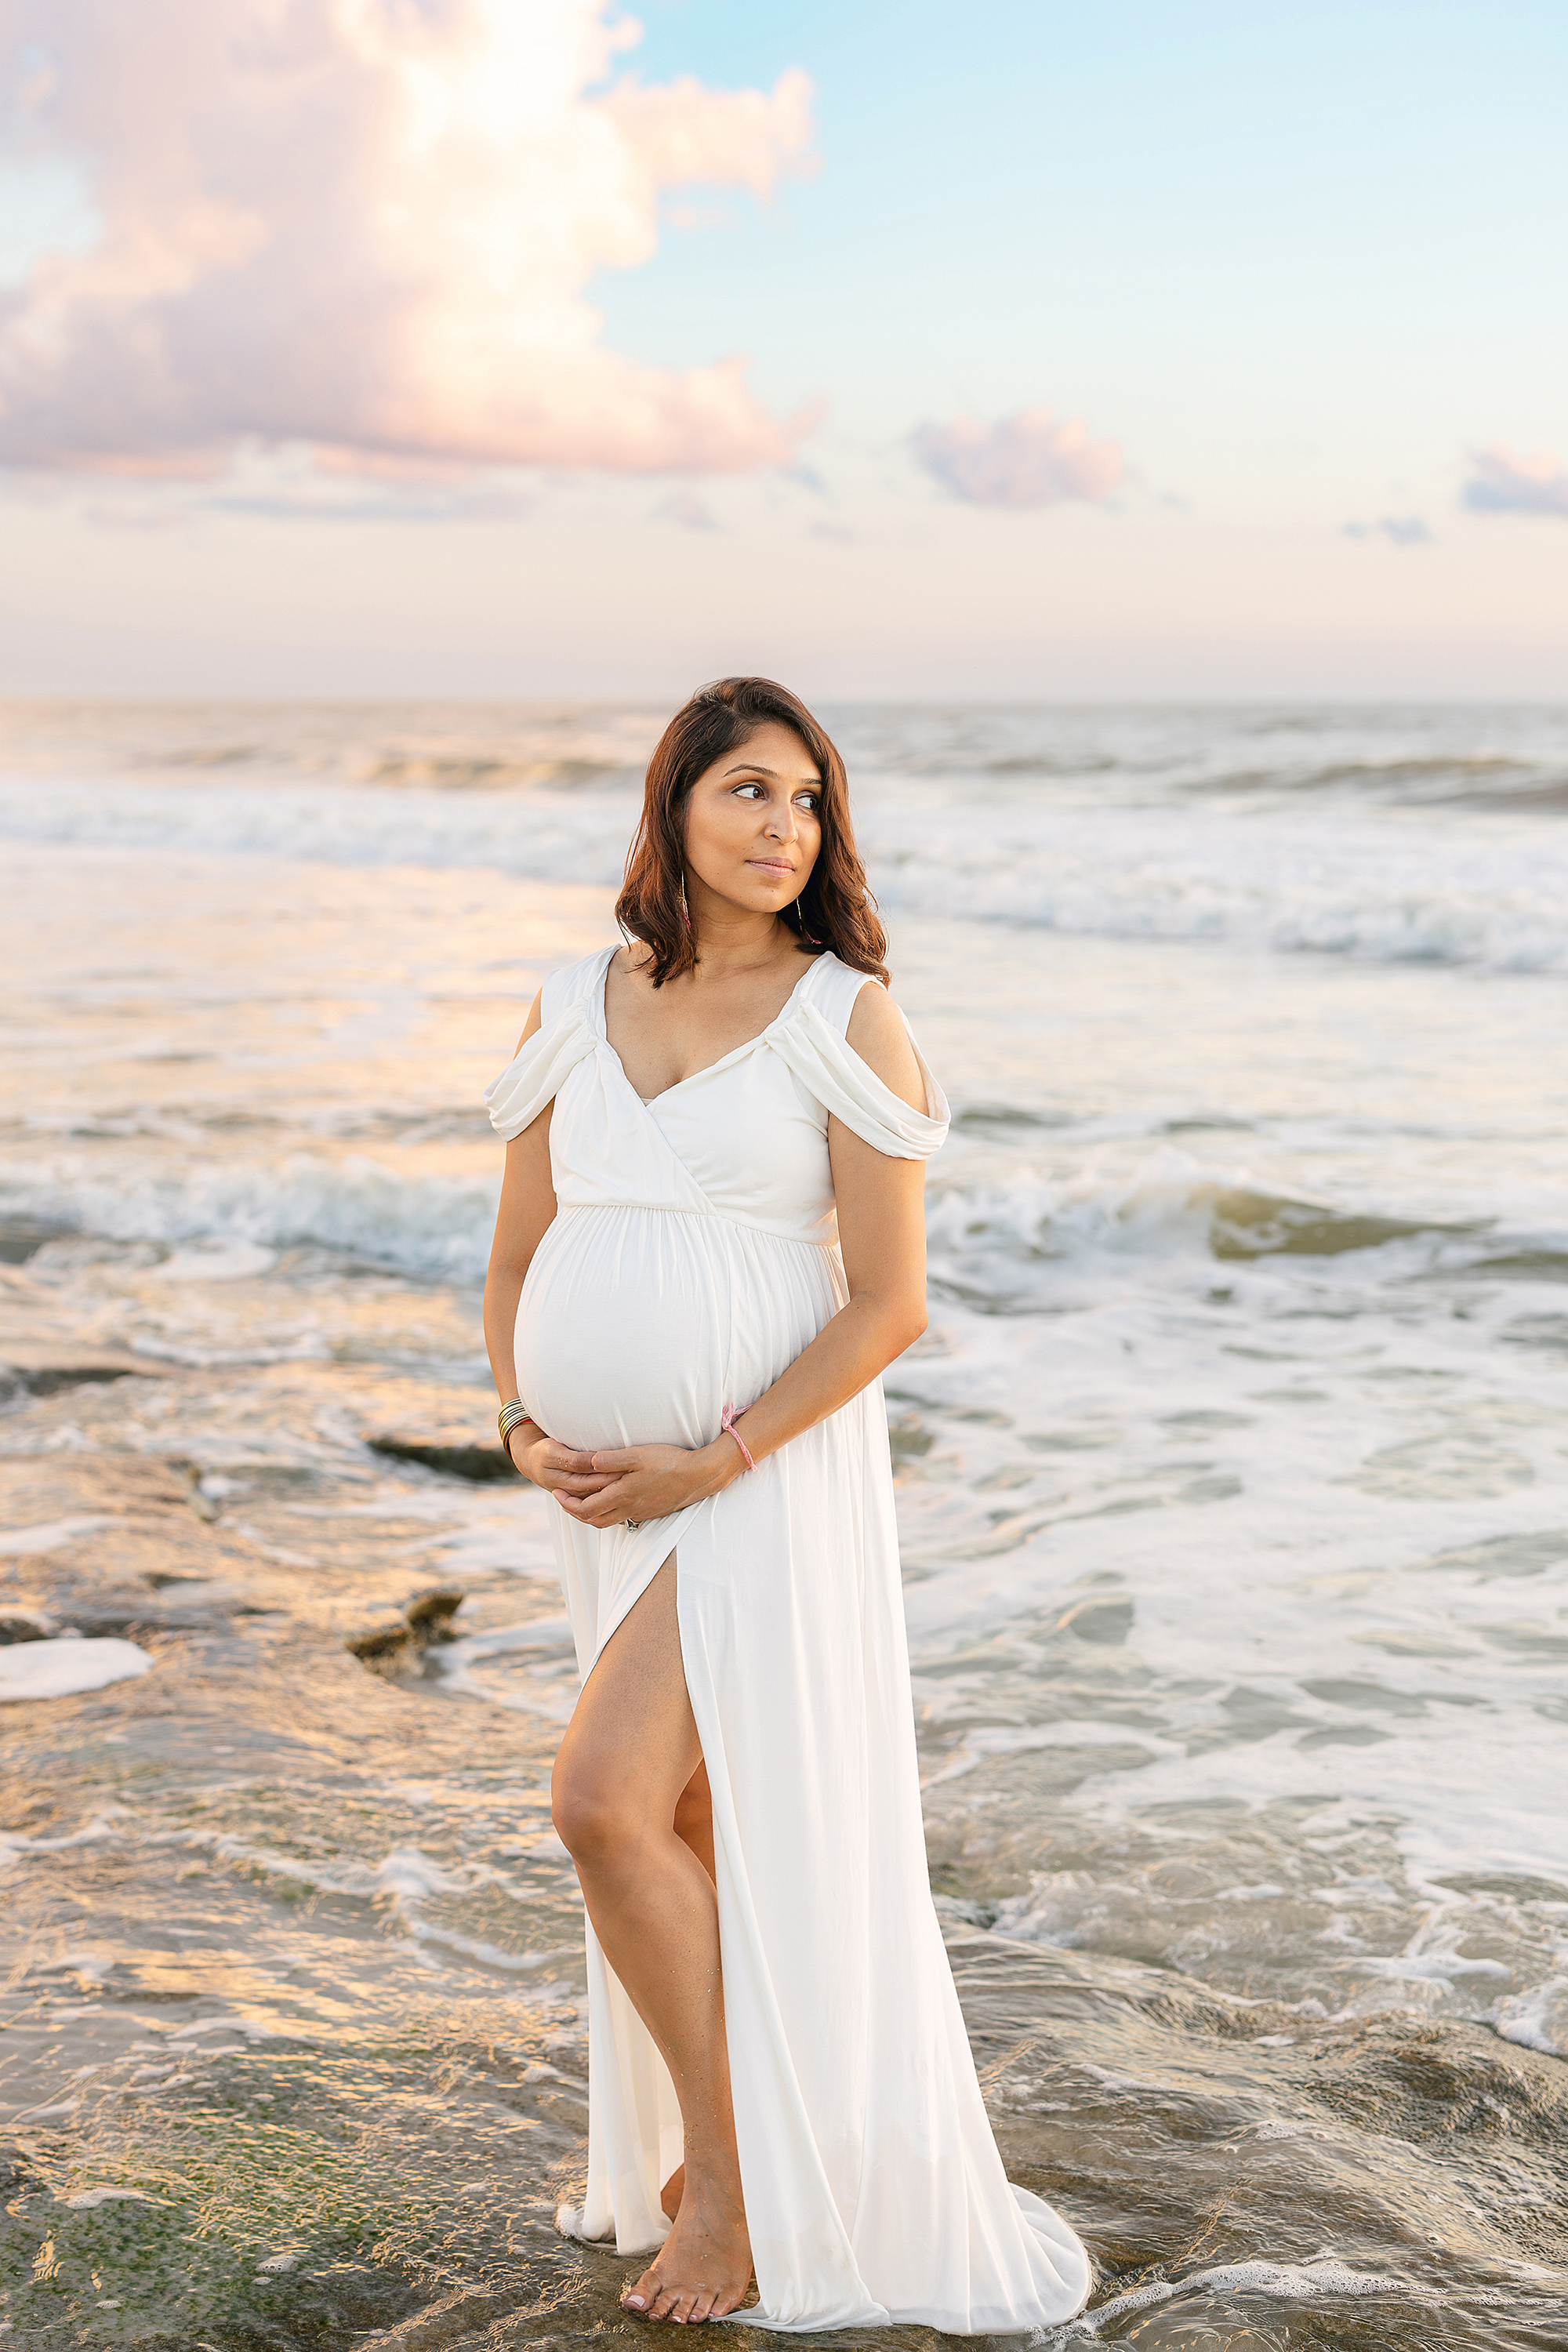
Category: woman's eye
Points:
column 807, row 801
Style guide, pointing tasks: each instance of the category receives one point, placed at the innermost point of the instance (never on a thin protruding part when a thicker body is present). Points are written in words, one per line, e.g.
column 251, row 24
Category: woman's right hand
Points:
column 557, row 1468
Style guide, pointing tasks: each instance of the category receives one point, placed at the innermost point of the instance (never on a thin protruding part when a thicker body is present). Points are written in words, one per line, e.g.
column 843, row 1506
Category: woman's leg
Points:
column 694, row 1819
column 624, row 1770
column 693, row 1827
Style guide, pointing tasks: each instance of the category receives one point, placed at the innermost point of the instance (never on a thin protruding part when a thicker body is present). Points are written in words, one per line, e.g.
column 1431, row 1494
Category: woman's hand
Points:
column 649, row 1482
column 555, row 1467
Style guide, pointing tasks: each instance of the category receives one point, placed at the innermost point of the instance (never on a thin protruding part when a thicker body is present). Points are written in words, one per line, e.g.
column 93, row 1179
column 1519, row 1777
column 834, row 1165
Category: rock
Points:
column 109, row 1545
column 381, row 1642
column 455, row 1453
column 203, row 1505
column 21, row 1236
column 426, row 1618
column 429, row 1616
column 44, row 1371
column 26, row 1625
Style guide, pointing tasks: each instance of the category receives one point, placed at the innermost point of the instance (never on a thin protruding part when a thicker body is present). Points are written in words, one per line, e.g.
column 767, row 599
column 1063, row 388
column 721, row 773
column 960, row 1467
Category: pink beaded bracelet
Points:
column 727, row 1427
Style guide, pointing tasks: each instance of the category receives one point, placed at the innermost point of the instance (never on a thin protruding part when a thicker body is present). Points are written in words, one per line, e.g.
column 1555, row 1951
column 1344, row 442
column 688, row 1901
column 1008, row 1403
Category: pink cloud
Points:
column 1504, row 481
column 1033, row 459
column 366, row 226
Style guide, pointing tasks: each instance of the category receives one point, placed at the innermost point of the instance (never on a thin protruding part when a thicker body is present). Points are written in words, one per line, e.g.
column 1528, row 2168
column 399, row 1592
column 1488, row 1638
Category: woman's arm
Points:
column 527, row 1209
column 526, row 1212
column 881, row 1231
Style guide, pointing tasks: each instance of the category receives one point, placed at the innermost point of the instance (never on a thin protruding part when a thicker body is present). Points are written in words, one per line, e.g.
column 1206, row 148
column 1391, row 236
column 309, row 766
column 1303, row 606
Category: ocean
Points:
column 1232, row 1476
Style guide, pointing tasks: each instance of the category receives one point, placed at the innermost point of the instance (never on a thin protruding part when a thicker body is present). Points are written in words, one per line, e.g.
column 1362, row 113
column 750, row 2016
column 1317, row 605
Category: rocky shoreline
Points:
column 198, row 2155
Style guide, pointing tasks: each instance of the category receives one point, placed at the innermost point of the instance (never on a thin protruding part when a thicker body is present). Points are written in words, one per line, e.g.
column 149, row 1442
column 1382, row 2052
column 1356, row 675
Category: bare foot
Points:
column 704, row 2266
column 670, row 2195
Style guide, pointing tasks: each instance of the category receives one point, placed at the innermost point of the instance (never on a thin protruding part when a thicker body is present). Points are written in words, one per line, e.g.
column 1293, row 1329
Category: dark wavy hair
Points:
column 835, row 910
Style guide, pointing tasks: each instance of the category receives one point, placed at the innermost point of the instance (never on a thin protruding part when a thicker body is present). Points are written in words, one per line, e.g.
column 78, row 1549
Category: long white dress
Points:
column 693, row 1257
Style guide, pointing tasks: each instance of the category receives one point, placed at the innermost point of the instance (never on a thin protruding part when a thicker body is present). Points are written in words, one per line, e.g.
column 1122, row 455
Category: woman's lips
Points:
column 771, row 865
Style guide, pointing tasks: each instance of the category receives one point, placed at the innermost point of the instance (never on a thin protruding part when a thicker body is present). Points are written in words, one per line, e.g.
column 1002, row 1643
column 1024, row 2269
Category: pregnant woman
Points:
column 711, row 1244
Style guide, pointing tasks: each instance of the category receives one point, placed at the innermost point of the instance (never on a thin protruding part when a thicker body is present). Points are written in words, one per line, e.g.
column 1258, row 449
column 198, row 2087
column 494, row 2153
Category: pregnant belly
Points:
column 637, row 1326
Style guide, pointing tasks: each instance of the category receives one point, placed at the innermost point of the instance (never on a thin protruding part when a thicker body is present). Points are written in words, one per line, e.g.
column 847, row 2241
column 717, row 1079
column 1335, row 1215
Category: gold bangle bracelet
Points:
column 514, row 1416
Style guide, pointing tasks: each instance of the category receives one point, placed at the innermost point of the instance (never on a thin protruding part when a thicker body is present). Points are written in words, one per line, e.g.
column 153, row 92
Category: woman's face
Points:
column 752, row 830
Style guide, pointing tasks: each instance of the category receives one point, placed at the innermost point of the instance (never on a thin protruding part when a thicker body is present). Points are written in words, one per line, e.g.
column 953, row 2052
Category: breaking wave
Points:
column 996, row 1246
column 1389, row 885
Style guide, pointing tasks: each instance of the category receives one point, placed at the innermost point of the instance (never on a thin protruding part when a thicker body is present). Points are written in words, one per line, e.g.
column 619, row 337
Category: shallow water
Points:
column 1232, row 1488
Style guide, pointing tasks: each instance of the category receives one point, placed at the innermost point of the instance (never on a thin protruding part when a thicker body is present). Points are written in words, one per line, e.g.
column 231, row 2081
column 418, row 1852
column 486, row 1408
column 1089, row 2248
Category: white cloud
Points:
column 1033, row 459
column 1399, row 530
column 365, row 226
column 1504, row 481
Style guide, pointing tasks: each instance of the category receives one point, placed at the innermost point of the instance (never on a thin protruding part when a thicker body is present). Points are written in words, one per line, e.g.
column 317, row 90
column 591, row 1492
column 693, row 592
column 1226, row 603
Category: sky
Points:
column 1034, row 352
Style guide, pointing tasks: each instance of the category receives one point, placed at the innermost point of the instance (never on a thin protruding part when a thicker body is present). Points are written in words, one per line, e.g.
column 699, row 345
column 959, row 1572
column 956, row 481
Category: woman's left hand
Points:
column 653, row 1482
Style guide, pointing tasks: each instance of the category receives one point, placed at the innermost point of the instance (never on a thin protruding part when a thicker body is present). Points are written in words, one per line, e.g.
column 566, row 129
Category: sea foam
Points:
column 1386, row 885
column 63, row 1668
column 226, row 1223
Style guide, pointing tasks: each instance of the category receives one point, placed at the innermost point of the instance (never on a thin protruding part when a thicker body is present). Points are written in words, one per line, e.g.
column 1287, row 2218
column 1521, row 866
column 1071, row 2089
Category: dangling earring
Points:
column 685, row 917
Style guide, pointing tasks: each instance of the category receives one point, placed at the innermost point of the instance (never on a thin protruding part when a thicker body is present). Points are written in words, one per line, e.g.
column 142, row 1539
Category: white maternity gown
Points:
column 693, row 1257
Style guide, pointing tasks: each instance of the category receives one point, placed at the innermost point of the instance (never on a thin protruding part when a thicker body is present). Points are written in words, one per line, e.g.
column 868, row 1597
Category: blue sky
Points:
column 1243, row 236
column 1300, row 265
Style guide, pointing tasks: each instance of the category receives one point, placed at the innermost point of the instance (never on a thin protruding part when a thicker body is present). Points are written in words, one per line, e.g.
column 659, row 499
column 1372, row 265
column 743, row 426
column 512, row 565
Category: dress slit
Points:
column 626, row 1600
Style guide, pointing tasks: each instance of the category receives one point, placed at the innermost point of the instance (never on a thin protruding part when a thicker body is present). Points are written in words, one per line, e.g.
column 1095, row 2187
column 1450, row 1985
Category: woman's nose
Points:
column 781, row 823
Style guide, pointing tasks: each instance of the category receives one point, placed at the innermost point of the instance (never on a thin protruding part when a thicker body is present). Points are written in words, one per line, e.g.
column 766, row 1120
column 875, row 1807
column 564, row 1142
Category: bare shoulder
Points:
column 877, row 1032
column 535, row 1022
column 628, row 965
